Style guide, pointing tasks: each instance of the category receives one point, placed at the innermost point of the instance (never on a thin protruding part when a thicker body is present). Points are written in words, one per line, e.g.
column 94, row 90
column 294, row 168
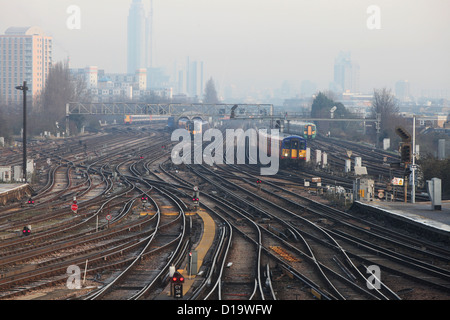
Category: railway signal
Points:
column 196, row 197
column 405, row 152
column 177, row 282
column 30, row 201
column 177, row 278
column 144, row 198
column 26, row 231
column 406, row 137
column 74, row 205
column 196, row 200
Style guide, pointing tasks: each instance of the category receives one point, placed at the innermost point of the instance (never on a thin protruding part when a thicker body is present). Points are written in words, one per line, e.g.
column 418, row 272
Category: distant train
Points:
column 307, row 130
column 140, row 119
column 194, row 126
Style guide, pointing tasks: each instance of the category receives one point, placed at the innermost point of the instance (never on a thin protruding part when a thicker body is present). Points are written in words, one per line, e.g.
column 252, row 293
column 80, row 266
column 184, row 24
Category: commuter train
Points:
column 291, row 148
column 307, row 130
column 140, row 119
column 194, row 126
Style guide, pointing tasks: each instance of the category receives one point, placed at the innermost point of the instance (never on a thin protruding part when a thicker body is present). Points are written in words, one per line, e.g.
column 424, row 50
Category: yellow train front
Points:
column 307, row 130
column 291, row 148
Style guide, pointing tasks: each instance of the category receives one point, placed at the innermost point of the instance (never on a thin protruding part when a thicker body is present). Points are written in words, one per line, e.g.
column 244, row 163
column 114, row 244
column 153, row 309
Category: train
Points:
column 291, row 148
column 194, row 126
column 307, row 130
column 141, row 119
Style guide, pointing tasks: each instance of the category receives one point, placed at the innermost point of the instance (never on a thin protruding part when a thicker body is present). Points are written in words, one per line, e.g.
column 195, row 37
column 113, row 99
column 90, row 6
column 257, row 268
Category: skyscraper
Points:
column 346, row 73
column 149, row 38
column 25, row 55
column 137, row 37
column 194, row 78
column 402, row 90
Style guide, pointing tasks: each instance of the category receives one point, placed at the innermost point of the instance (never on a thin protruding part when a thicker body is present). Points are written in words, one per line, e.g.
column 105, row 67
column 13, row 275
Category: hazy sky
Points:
column 258, row 43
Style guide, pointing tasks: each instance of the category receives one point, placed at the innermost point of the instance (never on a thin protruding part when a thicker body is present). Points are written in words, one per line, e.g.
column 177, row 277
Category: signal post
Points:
column 176, row 288
column 196, row 198
column 406, row 154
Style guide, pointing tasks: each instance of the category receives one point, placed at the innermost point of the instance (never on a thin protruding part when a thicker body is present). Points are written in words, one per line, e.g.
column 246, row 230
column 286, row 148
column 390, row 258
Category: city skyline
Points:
column 256, row 45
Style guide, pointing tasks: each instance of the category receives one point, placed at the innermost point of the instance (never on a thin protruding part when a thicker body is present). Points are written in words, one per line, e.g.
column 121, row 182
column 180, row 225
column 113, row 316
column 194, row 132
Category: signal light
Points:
column 30, row 201
column 177, row 278
column 406, row 152
column 196, row 197
column 258, row 181
column 26, row 231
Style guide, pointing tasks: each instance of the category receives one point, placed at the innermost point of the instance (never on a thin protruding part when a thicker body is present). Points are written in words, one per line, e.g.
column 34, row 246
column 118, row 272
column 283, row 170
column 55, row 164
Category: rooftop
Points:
column 24, row 31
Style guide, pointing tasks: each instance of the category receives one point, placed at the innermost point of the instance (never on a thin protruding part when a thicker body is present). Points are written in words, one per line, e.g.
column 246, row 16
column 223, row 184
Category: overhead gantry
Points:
column 176, row 110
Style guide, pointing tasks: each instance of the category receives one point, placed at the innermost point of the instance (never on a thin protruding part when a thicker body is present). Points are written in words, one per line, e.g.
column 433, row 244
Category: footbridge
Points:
column 176, row 110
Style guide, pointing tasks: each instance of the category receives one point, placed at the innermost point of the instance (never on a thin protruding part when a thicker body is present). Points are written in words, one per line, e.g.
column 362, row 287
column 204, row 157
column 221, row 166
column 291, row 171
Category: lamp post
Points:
column 413, row 167
column 24, row 89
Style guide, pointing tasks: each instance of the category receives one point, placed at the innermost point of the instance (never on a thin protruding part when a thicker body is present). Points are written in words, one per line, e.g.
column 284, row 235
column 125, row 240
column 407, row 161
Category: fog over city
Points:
column 249, row 152
column 258, row 44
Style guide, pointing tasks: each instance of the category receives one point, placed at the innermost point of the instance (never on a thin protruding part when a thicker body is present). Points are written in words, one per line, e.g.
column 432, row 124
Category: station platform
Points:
column 418, row 216
column 14, row 192
column 207, row 239
column 204, row 244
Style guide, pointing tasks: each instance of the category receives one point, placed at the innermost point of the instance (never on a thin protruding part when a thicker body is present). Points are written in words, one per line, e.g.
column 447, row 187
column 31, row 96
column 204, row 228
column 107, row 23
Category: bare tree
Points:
column 60, row 88
column 4, row 129
column 384, row 105
column 10, row 119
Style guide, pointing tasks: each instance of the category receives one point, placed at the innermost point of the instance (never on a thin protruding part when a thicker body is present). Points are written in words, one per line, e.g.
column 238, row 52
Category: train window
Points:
column 295, row 144
column 302, row 145
column 287, row 144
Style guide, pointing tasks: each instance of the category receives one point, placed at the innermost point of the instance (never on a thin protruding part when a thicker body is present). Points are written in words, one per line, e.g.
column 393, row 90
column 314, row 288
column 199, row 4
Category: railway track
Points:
column 271, row 241
column 87, row 238
column 386, row 294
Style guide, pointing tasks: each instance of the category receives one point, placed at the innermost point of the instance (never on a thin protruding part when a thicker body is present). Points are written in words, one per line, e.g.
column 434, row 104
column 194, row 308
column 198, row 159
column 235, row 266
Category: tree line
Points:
column 46, row 111
column 385, row 108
